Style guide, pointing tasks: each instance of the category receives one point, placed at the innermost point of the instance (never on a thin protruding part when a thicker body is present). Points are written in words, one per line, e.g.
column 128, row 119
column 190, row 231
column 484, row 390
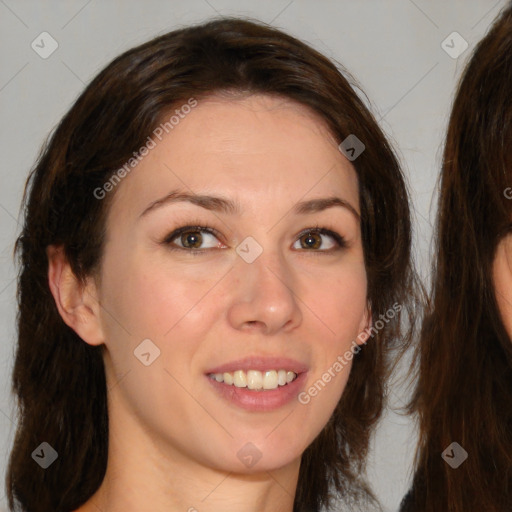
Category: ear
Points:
column 502, row 277
column 77, row 303
column 365, row 326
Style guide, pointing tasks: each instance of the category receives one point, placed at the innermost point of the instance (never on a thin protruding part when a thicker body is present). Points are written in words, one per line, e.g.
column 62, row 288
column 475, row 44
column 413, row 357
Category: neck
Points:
column 144, row 474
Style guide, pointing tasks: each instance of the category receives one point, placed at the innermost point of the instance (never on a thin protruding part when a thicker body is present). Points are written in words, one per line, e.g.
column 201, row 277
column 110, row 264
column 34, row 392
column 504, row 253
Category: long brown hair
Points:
column 58, row 379
column 464, row 392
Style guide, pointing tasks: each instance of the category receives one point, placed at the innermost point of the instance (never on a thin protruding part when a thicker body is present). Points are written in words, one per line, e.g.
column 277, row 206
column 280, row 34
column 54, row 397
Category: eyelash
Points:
column 340, row 240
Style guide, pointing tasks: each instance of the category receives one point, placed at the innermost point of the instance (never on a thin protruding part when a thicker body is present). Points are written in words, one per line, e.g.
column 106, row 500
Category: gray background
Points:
column 393, row 48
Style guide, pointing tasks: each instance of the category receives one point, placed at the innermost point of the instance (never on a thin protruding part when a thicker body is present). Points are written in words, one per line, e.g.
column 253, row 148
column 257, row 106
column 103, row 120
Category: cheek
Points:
column 502, row 277
column 150, row 299
column 174, row 309
column 345, row 303
column 342, row 301
column 167, row 307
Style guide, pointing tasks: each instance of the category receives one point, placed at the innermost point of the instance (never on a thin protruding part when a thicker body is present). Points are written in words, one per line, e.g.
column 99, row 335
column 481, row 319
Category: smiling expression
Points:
column 254, row 178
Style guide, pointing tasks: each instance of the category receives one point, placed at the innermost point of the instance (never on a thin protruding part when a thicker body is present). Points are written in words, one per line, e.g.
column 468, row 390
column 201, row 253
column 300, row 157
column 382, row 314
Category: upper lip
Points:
column 262, row 364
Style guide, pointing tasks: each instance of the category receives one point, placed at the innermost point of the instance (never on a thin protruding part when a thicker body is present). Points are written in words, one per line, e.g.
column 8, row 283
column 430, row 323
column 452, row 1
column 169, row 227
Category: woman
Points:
column 464, row 394
column 211, row 235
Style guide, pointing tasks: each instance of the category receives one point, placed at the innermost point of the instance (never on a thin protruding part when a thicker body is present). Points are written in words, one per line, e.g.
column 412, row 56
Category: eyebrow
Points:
column 223, row 205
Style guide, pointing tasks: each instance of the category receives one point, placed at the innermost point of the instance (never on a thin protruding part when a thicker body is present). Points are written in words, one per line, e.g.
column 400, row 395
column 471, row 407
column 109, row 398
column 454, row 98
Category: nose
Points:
column 264, row 299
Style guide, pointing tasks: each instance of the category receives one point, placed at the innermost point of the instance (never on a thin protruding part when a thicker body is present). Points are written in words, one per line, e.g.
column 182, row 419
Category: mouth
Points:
column 259, row 384
column 255, row 380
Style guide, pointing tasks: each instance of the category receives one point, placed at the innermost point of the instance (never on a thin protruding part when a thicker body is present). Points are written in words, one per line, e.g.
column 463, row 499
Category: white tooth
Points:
column 254, row 379
column 270, row 380
column 281, row 377
column 290, row 376
column 240, row 379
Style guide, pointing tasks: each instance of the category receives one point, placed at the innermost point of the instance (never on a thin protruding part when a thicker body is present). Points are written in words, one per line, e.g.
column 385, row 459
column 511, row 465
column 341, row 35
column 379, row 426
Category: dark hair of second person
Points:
column 464, row 393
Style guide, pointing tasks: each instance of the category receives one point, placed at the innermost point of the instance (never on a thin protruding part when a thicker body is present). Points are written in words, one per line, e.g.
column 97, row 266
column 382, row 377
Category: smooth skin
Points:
column 173, row 440
column 502, row 274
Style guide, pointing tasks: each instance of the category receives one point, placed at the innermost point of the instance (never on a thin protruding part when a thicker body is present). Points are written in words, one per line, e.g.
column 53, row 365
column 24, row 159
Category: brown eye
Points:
column 191, row 239
column 321, row 240
column 310, row 241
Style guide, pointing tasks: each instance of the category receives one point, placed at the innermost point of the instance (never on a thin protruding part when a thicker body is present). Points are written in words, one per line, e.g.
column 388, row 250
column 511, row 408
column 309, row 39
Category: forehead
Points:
column 257, row 148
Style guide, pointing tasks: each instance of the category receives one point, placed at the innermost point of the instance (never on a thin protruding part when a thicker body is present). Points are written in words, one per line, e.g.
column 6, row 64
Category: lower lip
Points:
column 260, row 401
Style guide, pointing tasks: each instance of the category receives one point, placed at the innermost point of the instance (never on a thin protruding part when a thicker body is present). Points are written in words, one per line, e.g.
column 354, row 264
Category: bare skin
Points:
column 173, row 440
column 502, row 274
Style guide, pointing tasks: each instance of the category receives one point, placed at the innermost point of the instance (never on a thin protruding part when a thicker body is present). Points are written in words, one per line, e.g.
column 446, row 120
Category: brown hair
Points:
column 58, row 379
column 464, row 392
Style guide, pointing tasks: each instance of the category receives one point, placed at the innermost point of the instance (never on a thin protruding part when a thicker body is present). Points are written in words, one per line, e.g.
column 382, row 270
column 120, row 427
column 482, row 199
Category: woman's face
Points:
column 502, row 274
column 265, row 290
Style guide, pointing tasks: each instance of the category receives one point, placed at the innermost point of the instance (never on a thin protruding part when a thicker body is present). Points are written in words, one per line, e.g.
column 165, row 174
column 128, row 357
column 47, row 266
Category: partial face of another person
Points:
column 502, row 274
column 265, row 277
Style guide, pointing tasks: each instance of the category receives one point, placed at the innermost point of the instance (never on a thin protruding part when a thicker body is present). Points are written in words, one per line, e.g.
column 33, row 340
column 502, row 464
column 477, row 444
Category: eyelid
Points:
column 339, row 239
column 183, row 229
